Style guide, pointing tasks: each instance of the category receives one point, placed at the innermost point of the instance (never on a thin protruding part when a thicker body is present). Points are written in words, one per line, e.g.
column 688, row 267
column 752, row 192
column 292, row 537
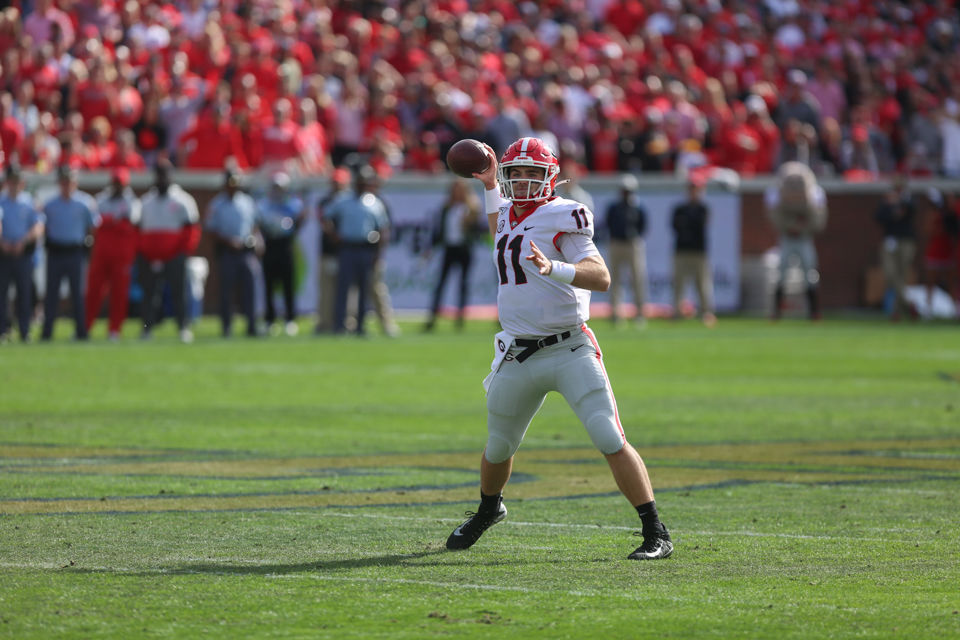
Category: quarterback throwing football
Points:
column 547, row 266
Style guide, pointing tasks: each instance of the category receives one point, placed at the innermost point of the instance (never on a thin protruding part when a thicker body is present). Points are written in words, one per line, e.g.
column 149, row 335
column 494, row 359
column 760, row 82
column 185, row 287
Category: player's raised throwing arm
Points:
column 489, row 180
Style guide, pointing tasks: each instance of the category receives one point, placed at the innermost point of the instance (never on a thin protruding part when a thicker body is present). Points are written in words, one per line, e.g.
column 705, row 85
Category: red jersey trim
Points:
column 596, row 346
column 514, row 220
column 556, row 238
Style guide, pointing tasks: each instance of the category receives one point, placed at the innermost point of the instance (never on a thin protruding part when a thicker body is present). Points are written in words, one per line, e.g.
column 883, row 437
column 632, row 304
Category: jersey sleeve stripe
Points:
column 556, row 240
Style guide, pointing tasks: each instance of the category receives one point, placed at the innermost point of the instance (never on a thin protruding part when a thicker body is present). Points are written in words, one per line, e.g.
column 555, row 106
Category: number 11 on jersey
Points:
column 516, row 247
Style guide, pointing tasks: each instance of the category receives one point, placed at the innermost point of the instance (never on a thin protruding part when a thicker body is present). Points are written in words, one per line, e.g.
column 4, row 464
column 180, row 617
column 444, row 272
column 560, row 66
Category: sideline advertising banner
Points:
column 413, row 264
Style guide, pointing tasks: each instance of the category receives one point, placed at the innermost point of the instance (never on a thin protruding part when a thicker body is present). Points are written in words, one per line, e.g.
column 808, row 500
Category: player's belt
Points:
column 531, row 346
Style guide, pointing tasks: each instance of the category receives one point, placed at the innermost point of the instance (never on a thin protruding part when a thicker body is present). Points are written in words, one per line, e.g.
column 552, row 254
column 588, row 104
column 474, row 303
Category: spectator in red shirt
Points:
column 45, row 74
column 281, row 140
column 11, row 131
column 249, row 97
column 212, row 141
column 602, row 140
column 382, row 121
column 758, row 119
column 425, row 156
column 95, row 97
column 10, row 28
column 264, row 69
column 716, row 113
column 742, row 147
column 73, row 152
column 40, row 150
column 100, row 148
column 125, row 155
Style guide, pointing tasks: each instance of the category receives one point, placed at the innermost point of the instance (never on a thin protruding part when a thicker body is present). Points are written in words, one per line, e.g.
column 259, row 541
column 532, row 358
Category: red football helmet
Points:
column 529, row 152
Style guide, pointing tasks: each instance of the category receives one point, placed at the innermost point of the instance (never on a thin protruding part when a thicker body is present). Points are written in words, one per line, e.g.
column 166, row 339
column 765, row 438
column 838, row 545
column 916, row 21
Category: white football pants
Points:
column 574, row 368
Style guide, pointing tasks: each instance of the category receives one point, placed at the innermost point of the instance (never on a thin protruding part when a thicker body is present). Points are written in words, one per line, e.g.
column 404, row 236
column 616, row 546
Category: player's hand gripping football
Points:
column 489, row 177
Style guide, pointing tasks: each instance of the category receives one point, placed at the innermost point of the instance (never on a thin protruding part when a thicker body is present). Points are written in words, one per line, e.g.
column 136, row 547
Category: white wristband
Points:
column 562, row 272
column 492, row 200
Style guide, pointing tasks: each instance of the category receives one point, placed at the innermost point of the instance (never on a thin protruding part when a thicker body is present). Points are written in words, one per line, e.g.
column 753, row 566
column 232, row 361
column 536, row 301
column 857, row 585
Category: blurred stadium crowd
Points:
column 853, row 88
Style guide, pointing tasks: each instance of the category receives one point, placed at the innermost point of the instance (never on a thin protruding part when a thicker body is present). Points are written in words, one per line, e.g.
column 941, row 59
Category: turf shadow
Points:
column 225, row 568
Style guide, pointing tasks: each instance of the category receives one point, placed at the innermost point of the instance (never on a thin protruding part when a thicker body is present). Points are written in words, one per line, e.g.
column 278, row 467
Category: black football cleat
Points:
column 655, row 546
column 464, row 536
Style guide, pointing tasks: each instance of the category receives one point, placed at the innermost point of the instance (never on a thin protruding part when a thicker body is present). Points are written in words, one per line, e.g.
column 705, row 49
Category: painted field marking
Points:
column 379, row 480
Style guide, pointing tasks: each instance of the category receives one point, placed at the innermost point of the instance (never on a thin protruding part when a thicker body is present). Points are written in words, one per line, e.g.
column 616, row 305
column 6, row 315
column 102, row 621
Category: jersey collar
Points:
column 516, row 218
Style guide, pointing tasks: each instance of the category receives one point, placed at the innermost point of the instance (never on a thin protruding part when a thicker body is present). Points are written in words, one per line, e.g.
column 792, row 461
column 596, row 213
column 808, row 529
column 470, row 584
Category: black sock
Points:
column 649, row 518
column 490, row 504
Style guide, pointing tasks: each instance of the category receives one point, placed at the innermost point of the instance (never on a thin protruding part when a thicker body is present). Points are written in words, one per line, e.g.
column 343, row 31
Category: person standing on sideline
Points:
column 797, row 206
column 20, row 228
column 548, row 265
column 114, row 251
column 359, row 225
column 279, row 216
column 232, row 219
column 71, row 218
column 626, row 223
column 329, row 251
column 458, row 219
column 690, row 261
column 379, row 291
column 896, row 215
column 169, row 232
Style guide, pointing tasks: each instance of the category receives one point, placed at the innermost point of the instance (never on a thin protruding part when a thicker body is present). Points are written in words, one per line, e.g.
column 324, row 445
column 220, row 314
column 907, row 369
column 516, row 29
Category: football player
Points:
column 547, row 266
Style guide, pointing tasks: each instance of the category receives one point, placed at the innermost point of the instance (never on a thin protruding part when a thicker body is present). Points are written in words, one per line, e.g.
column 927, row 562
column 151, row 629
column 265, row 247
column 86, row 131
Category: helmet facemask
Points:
column 540, row 188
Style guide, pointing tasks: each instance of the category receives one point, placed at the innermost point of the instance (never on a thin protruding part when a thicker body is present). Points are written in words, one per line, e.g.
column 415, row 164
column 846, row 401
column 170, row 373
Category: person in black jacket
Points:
column 626, row 224
column 896, row 216
column 455, row 229
column 690, row 261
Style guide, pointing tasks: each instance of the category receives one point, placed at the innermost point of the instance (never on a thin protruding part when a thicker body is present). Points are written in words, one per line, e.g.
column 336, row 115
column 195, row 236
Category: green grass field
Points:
column 304, row 488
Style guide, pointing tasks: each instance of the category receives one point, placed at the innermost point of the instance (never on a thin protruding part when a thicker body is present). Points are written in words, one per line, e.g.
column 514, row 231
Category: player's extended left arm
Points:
column 590, row 273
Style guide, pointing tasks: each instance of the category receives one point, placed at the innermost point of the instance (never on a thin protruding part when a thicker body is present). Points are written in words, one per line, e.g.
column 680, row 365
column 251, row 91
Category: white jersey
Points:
column 529, row 304
column 117, row 208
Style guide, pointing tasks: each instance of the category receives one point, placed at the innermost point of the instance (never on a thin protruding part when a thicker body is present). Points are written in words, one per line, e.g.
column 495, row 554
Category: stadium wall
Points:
column 848, row 248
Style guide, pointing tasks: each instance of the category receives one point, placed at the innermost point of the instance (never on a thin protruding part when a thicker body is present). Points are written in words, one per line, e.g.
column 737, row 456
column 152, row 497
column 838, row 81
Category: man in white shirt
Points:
column 547, row 264
column 797, row 207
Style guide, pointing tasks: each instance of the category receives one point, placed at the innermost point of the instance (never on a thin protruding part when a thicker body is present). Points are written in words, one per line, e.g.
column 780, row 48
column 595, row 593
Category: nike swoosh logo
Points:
column 456, row 531
column 576, row 347
column 527, row 228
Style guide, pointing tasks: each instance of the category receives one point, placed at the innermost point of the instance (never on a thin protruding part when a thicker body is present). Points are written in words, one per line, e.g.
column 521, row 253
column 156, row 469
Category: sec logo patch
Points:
column 500, row 225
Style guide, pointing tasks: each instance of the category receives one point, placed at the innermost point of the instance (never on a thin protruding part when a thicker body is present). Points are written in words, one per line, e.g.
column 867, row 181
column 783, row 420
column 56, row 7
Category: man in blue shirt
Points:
column 232, row 220
column 359, row 224
column 20, row 228
column 71, row 217
column 279, row 216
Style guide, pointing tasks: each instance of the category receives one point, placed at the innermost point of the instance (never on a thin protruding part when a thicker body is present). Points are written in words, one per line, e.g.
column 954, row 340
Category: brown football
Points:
column 467, row 157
